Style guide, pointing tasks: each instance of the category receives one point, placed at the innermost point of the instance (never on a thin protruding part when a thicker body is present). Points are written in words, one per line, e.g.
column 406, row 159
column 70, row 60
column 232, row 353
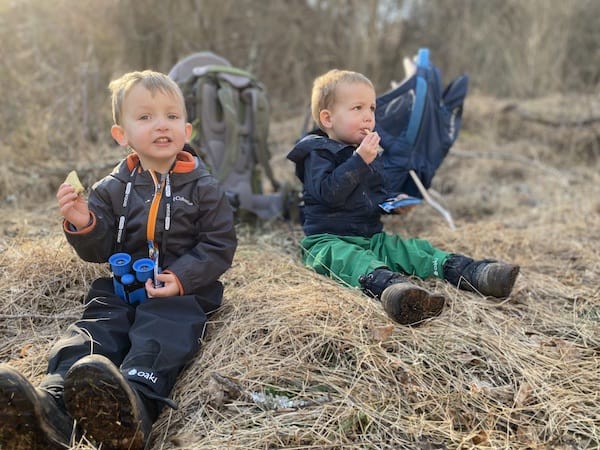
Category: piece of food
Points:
column 74, row 181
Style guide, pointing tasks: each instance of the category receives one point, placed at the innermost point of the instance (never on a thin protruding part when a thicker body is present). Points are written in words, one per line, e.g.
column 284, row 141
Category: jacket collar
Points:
column 184, row 162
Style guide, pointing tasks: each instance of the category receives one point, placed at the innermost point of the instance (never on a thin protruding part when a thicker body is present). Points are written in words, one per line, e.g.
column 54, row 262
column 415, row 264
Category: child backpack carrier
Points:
column 418, row 123
column 229, row 111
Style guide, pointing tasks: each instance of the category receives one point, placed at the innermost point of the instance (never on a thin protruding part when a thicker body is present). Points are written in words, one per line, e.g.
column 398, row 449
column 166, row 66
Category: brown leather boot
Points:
column 488, row 277
column 30, row 418
column 403, row 301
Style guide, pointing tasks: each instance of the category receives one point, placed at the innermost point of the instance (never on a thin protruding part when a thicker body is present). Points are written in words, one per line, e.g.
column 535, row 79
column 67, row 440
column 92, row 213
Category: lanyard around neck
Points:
column 162, row 188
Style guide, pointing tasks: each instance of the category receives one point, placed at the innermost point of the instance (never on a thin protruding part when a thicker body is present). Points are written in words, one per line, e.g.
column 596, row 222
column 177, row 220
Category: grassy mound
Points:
column 294, row 360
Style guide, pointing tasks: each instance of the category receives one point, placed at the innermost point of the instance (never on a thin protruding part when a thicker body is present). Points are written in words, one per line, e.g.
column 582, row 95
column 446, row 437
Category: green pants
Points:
column 346, row 258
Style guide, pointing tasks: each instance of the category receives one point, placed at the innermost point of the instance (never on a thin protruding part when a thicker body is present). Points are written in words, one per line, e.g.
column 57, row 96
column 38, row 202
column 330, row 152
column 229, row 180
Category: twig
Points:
column 439, row 208
column 38, row 316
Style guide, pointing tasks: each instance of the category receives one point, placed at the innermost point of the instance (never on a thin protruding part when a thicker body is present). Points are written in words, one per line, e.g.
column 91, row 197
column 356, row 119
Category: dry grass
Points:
column 295, row 361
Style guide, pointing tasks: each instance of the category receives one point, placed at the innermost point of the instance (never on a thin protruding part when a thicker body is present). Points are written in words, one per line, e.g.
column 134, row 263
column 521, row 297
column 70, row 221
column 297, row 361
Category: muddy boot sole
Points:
column 408, row 304
column 23, row 423
column 104, row 405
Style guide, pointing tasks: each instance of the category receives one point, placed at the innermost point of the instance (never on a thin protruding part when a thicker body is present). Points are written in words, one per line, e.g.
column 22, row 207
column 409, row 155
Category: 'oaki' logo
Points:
column 147, row 375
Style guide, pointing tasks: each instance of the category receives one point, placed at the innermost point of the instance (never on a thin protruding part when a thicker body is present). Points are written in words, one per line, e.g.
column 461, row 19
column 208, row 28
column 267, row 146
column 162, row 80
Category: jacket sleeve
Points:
column 96, row 242
column 329, row 183
column 216, row 242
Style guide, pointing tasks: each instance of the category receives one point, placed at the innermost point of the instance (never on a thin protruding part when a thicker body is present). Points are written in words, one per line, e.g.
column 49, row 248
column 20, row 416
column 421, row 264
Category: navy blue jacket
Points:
column 341, row 191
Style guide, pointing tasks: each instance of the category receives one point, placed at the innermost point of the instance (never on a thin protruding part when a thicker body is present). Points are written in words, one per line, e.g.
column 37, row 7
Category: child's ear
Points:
column 118, row 135
column 188, row 131
column 325, row 118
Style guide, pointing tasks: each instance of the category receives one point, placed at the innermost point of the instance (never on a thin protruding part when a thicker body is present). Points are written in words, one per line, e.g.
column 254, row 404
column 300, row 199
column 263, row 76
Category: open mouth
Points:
column 162, row 140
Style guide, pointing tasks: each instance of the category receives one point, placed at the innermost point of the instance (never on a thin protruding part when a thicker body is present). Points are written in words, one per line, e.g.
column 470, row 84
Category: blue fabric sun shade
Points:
column 418, row 124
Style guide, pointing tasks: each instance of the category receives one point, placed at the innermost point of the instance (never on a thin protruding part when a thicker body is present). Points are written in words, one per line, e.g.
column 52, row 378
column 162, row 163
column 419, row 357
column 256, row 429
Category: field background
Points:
column 293, row 360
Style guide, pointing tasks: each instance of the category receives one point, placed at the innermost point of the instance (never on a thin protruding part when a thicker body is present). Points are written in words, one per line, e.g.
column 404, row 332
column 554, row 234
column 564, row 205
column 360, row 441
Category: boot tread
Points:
column 107, row 408
column 25, row 422
column 409, row 304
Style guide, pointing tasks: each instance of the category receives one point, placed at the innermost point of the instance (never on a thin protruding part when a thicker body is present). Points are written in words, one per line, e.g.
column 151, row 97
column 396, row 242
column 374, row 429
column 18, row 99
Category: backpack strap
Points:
column 194, row 93
column 414, row 123
column 209, row 90
column 230, row 104
column 260, row 132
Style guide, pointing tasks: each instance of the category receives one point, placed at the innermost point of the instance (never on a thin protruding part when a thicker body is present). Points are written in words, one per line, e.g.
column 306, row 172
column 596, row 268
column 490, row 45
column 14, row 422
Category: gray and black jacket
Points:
column 200, row 241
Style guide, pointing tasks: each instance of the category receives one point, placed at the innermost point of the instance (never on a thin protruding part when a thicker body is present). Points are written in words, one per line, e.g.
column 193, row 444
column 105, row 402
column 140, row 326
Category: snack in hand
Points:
column 74, row 181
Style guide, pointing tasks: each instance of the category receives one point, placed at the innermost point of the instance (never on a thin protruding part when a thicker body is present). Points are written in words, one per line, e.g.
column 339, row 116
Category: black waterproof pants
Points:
column 150, row 342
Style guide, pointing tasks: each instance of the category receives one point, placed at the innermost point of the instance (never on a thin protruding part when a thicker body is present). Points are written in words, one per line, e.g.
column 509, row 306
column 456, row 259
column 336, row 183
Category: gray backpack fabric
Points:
column 229, row 111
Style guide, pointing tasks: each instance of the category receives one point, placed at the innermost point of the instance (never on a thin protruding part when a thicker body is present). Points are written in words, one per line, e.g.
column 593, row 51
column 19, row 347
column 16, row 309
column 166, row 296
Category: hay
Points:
column 44, row 284
column 484, row 373
column 293, row 360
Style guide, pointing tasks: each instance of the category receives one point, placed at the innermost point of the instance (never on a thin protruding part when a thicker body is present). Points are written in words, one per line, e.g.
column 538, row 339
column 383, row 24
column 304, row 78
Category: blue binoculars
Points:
column 130, row 286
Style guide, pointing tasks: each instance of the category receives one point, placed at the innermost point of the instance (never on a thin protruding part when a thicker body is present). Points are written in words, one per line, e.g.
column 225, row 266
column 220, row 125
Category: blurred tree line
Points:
column 58, row 56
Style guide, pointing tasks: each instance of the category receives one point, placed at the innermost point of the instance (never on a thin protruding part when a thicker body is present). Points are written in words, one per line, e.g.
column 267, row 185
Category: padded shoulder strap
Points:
column 228, row 97
column 193, row 90
column 416, row 115
column 260, row 132
column 216, row 106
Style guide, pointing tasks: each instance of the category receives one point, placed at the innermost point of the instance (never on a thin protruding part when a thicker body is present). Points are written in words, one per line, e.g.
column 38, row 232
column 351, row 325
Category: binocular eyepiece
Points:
column 130, row 286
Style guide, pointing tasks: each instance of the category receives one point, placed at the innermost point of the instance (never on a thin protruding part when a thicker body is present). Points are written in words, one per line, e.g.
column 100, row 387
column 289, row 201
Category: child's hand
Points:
column 169, row 286
column 72, row 206
column 369, row 147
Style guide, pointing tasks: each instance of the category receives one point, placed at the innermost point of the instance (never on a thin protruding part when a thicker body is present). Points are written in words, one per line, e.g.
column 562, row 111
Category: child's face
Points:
column 352, row 116
column 153, row 125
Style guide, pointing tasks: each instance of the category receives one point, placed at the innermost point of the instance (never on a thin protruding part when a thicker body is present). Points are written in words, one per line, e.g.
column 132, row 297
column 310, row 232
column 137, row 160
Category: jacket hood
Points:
column 312, row 141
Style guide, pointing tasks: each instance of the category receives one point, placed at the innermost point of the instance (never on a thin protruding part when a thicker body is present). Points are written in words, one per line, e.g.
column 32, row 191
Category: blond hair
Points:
column 324, row 88
column 151, row 80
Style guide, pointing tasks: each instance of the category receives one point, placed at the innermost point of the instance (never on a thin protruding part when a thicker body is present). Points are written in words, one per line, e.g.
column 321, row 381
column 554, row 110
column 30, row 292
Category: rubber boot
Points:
column 30, row 418
column 108, row 409
column 488, row 277
column 403, row 301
